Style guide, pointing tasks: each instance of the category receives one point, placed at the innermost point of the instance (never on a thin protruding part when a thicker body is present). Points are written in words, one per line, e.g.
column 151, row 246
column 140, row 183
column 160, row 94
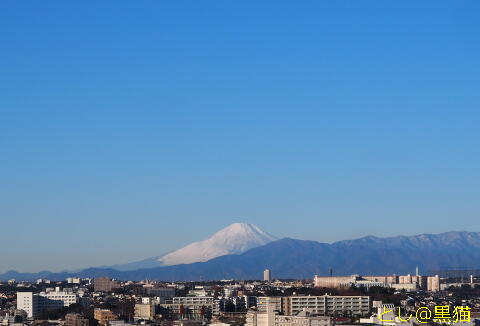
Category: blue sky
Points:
column 131, row 128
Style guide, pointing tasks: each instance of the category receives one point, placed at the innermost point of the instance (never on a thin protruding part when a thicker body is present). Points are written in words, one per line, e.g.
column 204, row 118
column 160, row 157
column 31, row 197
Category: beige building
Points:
column 433, row 283
column 144, row 311
column 103, row 316
column 261, row 318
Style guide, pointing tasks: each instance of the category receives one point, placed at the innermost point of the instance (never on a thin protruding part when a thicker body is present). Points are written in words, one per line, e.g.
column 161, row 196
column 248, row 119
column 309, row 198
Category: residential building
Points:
column 264, row 302
column 261, row 318
column 407, row 282
column 73, row 280
column 192, row 308
column 76, row 320
column 33, row 304
column 267, row 275
column 163, row 293
column 270, row 317
column 103, row 316
column 145, row 311
column 327, row 305
column 105, row 284
column 433, row 283
column 333, row 281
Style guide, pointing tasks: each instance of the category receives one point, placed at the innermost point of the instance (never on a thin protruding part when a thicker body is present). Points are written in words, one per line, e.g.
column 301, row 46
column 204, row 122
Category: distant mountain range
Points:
column 290, row 258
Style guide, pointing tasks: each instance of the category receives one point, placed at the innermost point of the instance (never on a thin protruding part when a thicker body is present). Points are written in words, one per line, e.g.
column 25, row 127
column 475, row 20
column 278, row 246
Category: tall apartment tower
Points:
column 433, row 283
column 267, row 275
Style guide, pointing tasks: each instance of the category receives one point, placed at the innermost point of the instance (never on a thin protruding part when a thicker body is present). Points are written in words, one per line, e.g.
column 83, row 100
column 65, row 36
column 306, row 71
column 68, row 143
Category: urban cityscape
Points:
column 322, row 301
column 450, row 297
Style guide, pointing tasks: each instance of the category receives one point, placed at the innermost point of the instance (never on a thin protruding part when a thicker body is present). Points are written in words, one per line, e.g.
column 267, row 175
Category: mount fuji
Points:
column 236, row 238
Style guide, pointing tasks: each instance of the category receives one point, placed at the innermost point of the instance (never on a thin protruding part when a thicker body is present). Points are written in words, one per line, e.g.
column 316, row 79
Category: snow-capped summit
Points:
column 234, row 239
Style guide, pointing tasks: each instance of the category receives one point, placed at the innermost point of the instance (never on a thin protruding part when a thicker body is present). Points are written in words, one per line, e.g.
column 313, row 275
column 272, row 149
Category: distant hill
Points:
column 290, row 258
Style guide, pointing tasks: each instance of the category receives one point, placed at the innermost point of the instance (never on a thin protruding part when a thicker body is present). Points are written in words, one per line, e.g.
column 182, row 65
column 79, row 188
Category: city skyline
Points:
column 131, row 130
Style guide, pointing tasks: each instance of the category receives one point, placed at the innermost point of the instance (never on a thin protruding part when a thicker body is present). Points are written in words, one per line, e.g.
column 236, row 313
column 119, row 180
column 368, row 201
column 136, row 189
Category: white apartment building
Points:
column 327, row 305
column 33, row 304
column 267, row 275
column 25, row 302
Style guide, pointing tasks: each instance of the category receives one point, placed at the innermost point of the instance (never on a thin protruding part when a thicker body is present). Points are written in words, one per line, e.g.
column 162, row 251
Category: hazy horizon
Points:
column 142, row 258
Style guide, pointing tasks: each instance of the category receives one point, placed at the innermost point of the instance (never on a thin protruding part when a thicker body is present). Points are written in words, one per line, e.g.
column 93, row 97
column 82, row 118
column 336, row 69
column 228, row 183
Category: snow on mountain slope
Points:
column 234, row 239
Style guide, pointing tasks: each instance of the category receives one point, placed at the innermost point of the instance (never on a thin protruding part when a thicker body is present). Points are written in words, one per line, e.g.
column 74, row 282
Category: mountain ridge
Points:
column 291, row 258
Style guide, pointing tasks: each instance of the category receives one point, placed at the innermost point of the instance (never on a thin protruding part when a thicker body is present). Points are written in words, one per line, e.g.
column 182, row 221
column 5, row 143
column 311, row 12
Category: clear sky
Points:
column 131, row 128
